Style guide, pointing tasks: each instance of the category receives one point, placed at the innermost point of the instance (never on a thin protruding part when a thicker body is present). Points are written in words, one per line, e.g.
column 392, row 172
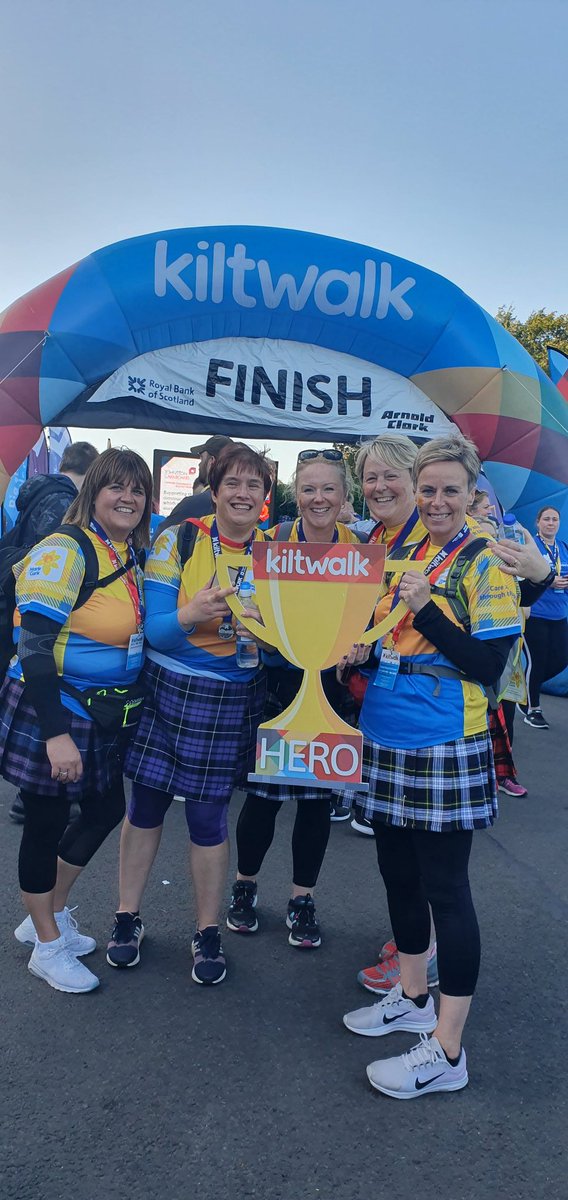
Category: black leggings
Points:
column 47, row 834
column 255, row 831
column 418, row 868
column 546, row 645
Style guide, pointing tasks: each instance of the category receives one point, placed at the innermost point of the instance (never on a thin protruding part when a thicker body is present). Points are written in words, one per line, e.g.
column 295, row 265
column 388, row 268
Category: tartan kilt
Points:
column 23, row 758
column 196, row 736
column 443, row 788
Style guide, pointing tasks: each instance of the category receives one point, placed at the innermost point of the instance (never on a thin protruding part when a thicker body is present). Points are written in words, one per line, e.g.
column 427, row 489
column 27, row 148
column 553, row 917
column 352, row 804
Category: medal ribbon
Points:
column 399, row 538
column 441, row 561
column 130, row 577
column 551, row 552
column 302, row 537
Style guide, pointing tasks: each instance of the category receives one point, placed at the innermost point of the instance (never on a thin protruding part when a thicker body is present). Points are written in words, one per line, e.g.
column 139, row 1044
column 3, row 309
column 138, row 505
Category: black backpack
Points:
column 11, row 554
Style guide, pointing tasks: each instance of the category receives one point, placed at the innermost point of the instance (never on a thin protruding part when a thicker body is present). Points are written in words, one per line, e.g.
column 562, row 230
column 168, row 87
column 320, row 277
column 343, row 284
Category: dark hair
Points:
column 78, row 458
column 238, row 455
column 545, row 508
column 114, row 466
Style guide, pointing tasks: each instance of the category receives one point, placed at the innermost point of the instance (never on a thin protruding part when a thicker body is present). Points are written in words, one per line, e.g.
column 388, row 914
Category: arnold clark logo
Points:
column 213, row 273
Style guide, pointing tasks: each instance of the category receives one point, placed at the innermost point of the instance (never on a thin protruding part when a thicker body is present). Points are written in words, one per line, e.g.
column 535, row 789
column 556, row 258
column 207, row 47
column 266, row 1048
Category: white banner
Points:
column 280, row 386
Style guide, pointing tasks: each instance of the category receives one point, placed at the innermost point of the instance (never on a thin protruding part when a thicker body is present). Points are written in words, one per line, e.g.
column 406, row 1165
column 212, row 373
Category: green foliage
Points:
column 285, row 506
column 540, row 330
column 350, row 454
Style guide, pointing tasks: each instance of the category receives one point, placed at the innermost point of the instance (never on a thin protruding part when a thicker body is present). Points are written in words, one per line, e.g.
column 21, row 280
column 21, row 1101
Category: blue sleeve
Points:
column 161, row 626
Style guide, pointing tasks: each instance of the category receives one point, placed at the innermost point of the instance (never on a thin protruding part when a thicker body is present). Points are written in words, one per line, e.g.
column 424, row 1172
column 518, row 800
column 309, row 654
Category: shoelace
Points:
column 390, row 998
column 69, row 919
column 124, row 929
column 242, row 895
column 305, row 914
column 423, row 1054
column 209, row 944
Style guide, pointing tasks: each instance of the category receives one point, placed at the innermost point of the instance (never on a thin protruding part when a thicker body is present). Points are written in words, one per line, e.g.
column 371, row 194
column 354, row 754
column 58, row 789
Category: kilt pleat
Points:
column 23, row 757
column 440, row 788
column 196, row 736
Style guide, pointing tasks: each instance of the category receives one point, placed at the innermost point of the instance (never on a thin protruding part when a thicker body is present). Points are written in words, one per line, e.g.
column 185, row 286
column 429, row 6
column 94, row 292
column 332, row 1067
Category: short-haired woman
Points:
column 428, row 765
column 76, row 634
column 197, row 733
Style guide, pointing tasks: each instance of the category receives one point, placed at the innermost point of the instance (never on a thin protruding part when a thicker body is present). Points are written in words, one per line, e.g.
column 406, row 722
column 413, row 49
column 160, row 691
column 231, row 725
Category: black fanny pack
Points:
column 112, row 708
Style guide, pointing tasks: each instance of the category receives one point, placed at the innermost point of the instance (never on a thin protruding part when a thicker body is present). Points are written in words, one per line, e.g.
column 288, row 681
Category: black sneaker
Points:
column 208, row 958
column 535, row 718
column 301, row 921
column 338, row 812
column 362, row 825
column 123, row 949
column 241, row 916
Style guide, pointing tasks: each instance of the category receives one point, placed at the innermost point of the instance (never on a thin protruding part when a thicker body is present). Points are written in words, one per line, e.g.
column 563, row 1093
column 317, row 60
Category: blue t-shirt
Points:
column 553, row 605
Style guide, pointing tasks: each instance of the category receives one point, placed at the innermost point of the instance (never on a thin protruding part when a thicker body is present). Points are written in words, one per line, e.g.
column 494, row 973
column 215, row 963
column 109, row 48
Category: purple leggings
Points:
column 207, row 823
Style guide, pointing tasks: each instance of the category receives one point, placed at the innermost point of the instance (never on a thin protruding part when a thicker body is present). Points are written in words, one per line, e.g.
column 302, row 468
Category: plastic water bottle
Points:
column 246, row 648
column 510, row 530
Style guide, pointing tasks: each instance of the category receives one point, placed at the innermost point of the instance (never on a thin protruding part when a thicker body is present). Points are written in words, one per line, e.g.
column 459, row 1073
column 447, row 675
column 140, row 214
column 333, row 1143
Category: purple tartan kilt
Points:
column 196, row 736
column 23, row 759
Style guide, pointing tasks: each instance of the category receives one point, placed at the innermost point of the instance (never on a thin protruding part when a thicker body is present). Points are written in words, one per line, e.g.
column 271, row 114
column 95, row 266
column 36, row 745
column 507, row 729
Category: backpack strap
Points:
column 452, row 590
column 283, row 530
column 91, row 579
column 187, row 537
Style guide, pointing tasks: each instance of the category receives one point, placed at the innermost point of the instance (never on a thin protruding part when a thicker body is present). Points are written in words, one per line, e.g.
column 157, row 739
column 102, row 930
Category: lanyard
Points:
column 130, row 576
column 302, row 537
column 399, row 538
column 218, row 549
column 551, row 552
column 441, row 560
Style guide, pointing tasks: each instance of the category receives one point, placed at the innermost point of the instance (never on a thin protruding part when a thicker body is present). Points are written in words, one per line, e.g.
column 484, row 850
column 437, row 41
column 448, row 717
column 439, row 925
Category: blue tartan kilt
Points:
column 196, row 736
column 23, row 757
column 442, row 788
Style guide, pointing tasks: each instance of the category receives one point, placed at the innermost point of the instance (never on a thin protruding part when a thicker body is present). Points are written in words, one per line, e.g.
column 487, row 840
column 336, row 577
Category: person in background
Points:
column 427, row 761
column 42, row 503
column 321, row 487
column 197, row 734
column 482, row 510
column 49, row 744
column 546, row 631
column 200, row 503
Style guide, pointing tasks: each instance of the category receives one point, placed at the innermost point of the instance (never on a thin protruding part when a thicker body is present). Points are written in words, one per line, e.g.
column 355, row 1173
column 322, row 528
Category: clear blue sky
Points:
column 434, row 130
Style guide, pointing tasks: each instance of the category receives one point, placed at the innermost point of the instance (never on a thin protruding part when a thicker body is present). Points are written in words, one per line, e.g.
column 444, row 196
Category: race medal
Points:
column 389, row 667
column 135, row 652
column 226, row 631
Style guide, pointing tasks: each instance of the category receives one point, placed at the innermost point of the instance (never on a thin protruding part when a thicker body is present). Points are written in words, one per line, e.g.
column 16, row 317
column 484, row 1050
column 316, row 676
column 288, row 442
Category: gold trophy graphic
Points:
column 315, row 601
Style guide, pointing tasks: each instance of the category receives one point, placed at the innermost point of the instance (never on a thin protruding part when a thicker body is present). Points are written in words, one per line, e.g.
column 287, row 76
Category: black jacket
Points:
column 42, row 503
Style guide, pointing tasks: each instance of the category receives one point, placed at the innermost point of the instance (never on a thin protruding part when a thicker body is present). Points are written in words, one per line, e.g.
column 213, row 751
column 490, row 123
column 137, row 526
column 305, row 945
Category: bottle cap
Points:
column 509, row 519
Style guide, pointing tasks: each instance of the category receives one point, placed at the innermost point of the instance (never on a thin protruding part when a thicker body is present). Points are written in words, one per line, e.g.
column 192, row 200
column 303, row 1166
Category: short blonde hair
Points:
column 394, row 449
column 451, row 449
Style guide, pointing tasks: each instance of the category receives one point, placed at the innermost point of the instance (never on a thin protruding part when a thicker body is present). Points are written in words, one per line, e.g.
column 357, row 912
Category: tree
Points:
column 350, row 454
column 540, row 330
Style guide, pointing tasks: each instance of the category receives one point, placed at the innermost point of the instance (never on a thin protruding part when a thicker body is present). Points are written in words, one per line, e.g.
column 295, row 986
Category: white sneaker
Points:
column 77, row 943
column 424, row 1069
column 390, row 1014
column 54, row 962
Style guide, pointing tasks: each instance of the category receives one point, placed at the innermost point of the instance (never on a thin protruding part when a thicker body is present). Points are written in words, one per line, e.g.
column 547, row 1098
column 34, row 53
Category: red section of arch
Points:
column 504, row 439
column 35, row 309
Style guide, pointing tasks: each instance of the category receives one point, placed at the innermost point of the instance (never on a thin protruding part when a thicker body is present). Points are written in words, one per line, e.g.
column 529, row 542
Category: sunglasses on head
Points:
column 331, row 455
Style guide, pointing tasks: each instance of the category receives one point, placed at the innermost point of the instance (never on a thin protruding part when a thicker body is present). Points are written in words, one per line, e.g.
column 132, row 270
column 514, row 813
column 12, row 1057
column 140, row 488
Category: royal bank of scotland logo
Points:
column 137, row 385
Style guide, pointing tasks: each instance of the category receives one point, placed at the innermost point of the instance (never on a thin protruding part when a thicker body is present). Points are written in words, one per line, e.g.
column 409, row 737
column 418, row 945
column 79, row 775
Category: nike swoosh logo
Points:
column 419, row 1083
column 389, row 1020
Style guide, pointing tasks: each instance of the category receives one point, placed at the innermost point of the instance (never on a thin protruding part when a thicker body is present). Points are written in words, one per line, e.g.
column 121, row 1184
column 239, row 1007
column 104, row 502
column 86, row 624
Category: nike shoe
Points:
column 386, row 974
column 390, row 1014
column 362, row 825
column 535, row 719
column 77, row 943
column 54, row 963
column 338, row 812
column 423, row 1069
column 511, row 788
column 241, row 917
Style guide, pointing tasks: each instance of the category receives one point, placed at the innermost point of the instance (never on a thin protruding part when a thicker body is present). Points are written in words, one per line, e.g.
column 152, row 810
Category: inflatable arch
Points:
column 275, row 333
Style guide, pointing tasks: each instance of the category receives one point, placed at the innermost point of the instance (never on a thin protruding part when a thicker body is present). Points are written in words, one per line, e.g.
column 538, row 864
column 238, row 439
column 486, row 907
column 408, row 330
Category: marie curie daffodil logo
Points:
column 47, row 564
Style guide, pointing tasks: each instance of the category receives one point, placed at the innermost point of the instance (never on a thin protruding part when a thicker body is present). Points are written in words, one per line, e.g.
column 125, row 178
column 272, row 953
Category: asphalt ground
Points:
column 152, row 1087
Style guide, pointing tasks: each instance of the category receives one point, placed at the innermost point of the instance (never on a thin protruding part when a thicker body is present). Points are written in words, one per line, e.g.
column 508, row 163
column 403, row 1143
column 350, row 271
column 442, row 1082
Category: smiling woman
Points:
column 428, row 764
column 79, row 634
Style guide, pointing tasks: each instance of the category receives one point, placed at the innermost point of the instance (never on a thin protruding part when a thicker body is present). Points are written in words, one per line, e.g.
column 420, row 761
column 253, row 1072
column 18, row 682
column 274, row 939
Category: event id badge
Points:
column 388, row 669
column 135, row 653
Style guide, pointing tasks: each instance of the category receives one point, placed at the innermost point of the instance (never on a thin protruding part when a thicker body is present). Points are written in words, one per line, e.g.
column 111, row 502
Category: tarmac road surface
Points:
column 154, row 1088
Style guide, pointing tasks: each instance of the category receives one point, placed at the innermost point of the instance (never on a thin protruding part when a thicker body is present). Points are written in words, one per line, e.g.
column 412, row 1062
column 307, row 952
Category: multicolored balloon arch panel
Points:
column 277, row 334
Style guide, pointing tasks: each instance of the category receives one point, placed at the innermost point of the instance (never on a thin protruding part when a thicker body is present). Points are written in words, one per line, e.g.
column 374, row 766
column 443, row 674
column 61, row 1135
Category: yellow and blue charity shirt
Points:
column 344, row 534
column 168, row 586
column 412, row 715
column 92, row 646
